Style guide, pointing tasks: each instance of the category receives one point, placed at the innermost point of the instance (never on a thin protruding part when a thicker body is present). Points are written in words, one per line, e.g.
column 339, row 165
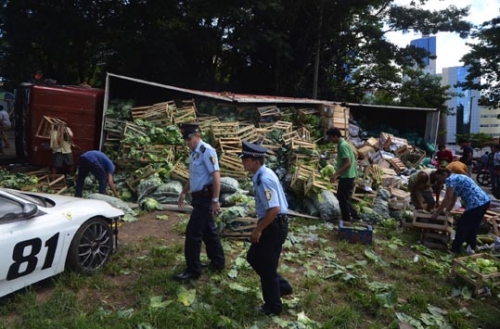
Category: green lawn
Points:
column 336, row 285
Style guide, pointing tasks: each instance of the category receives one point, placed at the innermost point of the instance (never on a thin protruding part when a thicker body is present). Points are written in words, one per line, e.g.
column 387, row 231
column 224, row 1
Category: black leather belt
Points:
column 205, row 192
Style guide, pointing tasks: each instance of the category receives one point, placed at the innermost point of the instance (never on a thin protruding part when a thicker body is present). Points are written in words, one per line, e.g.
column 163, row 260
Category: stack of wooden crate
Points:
column 435, row 232
column 336, row 116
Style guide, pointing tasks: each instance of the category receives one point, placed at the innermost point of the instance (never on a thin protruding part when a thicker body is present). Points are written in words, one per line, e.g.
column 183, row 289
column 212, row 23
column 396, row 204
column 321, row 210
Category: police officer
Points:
column 204, row 184
column 271, row 231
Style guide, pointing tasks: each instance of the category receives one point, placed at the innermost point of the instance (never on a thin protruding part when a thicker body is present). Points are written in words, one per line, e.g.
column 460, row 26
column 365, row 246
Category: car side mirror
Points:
column 30, row 210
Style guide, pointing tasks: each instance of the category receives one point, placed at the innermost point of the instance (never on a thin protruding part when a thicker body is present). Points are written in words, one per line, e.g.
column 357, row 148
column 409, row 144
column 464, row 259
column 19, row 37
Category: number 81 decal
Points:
column 31, row 259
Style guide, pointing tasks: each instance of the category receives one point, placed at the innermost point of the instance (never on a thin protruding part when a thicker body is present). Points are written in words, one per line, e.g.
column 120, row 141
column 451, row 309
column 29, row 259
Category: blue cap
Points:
column 187, row 129
column 250, row 150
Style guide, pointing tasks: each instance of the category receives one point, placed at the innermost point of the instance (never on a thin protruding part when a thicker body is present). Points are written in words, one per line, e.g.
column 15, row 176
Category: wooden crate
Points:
column 414, row 156
column 134, row 129
column 373, row 142
column 136, row 177
column 435, row 239
column 46, row 126
column 296, row 144
column 315, row 180
column 400, row 194
column 304, row 113
column 397, row 164
column 271, row 146
column 185, row 115
column 242, row 231
column 207, row 121
column 424, row 221
column 300, row 177
column 266, row 111
column 283, row 125
column 288, row 137
column 246, row 132
column 304, row 134
column 475, row 278
column 229, row 145
column 53, row 183
column 302, row 159
column 494, row 220
column 224, row 129
column 180, row 172
column 385, row 140
column 364, row 152
column 231, row 162
column 360, row 194
column 167, row 152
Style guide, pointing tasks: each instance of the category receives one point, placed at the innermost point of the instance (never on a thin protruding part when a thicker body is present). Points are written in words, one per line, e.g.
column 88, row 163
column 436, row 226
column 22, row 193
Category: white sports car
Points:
column 42, row 234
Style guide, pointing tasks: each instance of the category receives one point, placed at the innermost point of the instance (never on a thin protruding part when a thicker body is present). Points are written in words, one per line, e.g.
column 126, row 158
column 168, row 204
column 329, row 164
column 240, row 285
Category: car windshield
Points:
column 28, row 198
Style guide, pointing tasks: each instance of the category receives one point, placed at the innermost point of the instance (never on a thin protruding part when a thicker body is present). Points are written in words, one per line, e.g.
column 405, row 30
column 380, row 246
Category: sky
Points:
column 450, row 47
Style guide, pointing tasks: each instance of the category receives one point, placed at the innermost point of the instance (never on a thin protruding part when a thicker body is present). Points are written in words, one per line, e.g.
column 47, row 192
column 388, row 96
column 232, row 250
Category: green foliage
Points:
column 479, row 140
column 223, row 44
column 484, row 63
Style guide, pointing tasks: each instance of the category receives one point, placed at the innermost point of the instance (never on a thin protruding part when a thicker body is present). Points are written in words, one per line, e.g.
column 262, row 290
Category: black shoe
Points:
column 266, row 311
column 185, row 276
column 286, row 292
column 213, row 267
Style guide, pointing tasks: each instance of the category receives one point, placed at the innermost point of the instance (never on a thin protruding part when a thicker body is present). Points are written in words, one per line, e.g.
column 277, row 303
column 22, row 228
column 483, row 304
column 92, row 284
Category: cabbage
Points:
column 150, row 204
column 327, row 171
column 483, row 262
column 126, row 195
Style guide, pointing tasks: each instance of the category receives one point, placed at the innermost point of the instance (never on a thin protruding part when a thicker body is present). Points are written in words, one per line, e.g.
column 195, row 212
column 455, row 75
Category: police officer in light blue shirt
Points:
column 204, row 184
column 271, row 231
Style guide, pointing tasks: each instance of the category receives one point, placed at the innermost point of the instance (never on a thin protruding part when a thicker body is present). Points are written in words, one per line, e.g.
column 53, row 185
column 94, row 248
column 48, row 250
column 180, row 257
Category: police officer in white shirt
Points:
column 204, row 184
column 272, row 228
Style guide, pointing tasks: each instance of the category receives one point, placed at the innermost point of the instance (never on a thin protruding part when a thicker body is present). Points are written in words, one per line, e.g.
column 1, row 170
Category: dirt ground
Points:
column 149, row 226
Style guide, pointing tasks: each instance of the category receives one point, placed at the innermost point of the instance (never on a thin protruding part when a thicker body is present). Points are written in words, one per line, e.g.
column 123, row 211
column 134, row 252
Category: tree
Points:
column 67, row 40
column 261, row 46
column 484, row 62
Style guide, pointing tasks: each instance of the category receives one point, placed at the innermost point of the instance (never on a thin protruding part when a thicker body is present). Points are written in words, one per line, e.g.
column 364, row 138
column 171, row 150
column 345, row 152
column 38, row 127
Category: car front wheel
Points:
column 91, row 247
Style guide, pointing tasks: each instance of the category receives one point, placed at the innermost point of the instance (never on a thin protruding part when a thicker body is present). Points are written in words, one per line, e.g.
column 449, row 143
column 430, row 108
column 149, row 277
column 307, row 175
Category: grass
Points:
column 336, row 285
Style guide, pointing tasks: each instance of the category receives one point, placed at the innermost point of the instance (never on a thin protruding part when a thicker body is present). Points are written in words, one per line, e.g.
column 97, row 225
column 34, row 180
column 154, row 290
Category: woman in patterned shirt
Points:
column 476, row 202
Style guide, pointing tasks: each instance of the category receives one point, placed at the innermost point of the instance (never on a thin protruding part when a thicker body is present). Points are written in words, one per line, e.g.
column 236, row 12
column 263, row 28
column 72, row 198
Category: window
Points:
column 9, row 209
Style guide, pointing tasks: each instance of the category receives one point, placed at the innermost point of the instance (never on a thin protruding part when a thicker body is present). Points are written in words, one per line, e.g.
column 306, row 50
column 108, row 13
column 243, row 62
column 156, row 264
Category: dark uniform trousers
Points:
column 201, row 227
column 264, row 258
column 85, row 166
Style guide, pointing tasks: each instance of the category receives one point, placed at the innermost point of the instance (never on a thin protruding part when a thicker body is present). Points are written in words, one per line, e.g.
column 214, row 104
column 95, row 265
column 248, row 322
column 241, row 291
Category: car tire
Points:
column 91, row 247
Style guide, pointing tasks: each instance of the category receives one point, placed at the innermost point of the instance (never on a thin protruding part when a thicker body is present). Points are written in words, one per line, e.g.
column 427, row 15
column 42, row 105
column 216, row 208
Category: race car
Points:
column 41, row 235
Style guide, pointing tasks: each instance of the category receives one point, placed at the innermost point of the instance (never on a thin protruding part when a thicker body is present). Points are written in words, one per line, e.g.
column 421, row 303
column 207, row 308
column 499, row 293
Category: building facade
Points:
column 489, row 122
column 428, row 43
column 465, row 117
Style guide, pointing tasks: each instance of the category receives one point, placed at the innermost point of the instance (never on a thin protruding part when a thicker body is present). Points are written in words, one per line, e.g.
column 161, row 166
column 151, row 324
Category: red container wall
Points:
column 80, row 108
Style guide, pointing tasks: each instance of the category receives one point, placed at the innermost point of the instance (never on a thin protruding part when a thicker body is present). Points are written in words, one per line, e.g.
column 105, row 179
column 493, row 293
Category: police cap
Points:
column 188, row 129
column 250, row 150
